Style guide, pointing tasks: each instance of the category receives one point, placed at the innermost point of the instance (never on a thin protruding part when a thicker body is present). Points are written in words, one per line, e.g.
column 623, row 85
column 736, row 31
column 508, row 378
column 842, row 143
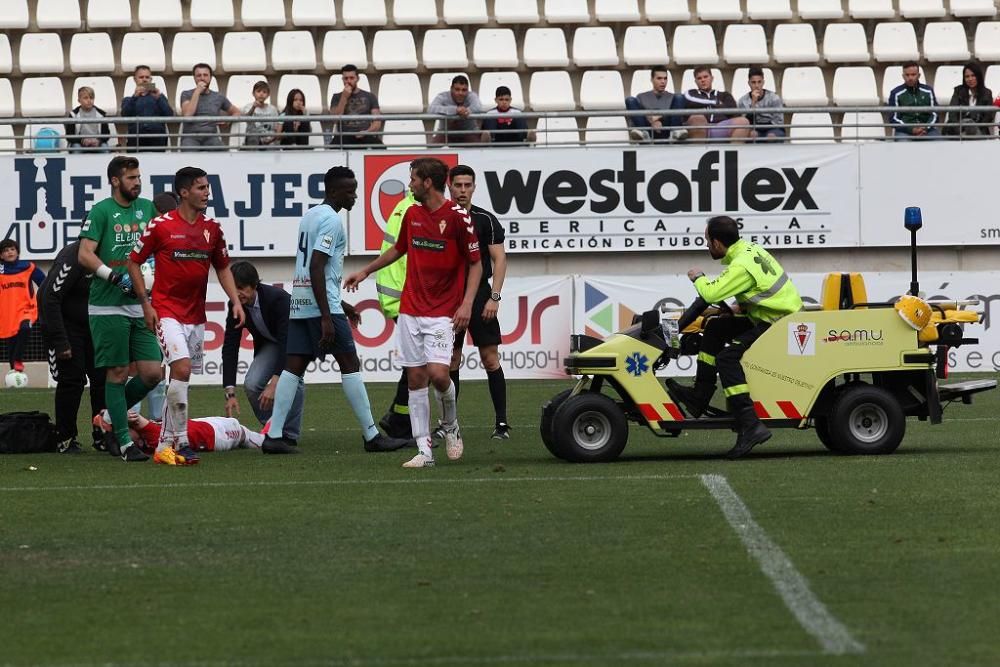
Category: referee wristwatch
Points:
column 495, row 296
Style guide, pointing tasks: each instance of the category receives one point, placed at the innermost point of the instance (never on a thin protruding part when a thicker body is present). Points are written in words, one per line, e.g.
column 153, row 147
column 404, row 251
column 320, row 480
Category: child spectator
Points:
column 264, row 132
column 91, row 131
column 18, row 308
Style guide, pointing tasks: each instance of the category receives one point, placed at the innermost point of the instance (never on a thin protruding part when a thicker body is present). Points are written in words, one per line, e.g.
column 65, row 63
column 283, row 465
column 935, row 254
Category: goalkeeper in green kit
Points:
column 117, row 327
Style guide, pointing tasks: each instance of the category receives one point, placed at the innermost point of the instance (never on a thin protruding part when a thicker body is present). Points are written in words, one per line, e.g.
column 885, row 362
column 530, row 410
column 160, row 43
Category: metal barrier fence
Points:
column 823, row 124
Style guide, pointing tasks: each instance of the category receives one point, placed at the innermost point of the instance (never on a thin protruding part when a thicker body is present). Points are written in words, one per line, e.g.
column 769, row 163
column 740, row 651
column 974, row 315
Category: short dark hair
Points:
column 261, row 85
column 335, row 174
column 186, row 176
column 244, row 274
column 165, row 201
column 202, row 66
column 348, row 68
column 910, row 63
column 432, row 168
column 755, row 71
column 139, row 67
column 461, row 170
column 658, row 68
column 119, row 164
column 702, row 68
column 723, row 229
column 10, row 243
column 461, row 79
column 502, row 90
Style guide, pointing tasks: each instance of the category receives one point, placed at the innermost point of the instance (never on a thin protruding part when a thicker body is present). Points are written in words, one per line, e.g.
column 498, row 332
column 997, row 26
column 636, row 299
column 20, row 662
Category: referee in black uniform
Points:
column 484, row 327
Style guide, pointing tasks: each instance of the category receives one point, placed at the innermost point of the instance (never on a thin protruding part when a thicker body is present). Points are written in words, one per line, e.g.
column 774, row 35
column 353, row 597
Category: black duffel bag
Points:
column 26, row 433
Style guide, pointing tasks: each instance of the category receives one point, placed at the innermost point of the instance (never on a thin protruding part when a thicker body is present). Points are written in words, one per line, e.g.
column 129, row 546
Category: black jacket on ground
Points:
column 275, row 305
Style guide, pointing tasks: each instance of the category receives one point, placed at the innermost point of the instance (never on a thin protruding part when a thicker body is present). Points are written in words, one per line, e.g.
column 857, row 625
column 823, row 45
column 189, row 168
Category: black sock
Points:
column 498, row 392
column 454, row 380
column 402, row 400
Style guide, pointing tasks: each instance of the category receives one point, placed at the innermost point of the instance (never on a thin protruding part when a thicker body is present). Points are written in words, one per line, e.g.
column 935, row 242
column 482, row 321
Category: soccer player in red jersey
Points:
column 443, row 272
column 207, row 434
column 184, row 244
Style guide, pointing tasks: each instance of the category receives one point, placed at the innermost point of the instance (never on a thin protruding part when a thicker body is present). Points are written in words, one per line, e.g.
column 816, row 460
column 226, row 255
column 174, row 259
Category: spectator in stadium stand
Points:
column 295, row 132
column 267, row 308
column 18, row 308
column 970, row 93
column 203, row 101
column 766, row 124
column 352, row 101
column 912, row 93
column 658, row 129
column 90, row 132
column 146, row 101
column 266, row 131
column 456, row 103
column 505, row 124
column 711, row 124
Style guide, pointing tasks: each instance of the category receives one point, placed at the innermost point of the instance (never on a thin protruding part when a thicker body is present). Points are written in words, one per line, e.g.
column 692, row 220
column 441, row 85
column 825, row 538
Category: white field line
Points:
column 793, row 588
column 499, row 478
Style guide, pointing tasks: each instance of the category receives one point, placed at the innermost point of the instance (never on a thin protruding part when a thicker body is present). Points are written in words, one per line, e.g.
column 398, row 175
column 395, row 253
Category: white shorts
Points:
column 424, row 340
column 182, row 341
column 230, row 434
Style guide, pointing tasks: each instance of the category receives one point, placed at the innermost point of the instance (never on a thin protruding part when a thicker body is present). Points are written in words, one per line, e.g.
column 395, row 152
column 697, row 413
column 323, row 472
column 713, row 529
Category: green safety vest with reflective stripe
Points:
column 758, row 282
column 389, row 280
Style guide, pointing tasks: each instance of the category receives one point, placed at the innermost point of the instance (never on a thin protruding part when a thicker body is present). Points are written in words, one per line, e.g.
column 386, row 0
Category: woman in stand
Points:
column 971, row 93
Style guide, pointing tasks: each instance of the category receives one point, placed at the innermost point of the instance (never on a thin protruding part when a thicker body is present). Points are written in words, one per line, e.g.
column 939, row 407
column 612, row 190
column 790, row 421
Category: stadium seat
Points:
column 795, row 43
column 404, row 133
column 40, row 53
column 6, row 57
column 719, row 10
column 243, row 52
column 865, row 126
column 191, row 48
column 14, row 14
column 617, row 11
column 964, row 8
column 105, row 95
column 6, row 99
column 812, row 10
column 659, row 11
column 769, row 10
column 160, row 14
column 855, row 86
column 441, row 81
column 602, row 89
column 344, row 47
column 262, row 13
column 987, row 43
column 993, row 77
column 109, row 14
column 444, row 49
column 803, row 87
column 211, row 14
column 894, row 42
column 551, row 91
column 811, row 128
column 745, row 45
column 308, row 84
column 394, row 49
column 645, row 45
column 945, row 41
column 91, row 52
column 740, row 85
column 42, row 96
column 921, row 9
column 414, row 12
column 129, row 88
column 364, row 12
column 892, row 77
column 57, row 14
column 641, row 82
column 186, row 82
column 143, row 48
column 695, row 45
column 567, row 11
column 871, row 9
column 307, row 13
column 239, row 89
column 845, row 43
column 465, row 12
column 595, row 47
column 400, row 93
column 606, row 130
column 293, row 50
column 489, row 82
column 946, row 77
column 515, row 11
column 557, row 131
column 687, row 80
column 545, row 47
column 495, row 47
column 8, row 140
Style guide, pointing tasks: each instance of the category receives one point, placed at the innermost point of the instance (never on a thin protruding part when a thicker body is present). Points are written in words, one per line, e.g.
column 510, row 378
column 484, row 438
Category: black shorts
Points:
column 484, row 332
column 304, row 336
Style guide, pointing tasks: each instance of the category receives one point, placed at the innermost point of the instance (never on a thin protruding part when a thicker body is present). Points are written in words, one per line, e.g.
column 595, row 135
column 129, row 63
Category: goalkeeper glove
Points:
column 122, row 281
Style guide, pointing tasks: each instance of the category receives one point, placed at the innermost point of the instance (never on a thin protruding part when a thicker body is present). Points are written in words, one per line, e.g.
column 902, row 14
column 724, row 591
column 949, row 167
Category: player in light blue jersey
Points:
column 318, row 323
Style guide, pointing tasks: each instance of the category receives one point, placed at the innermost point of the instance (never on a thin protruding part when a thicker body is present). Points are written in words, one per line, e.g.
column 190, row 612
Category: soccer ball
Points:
column 15, row 380
column 147, row 275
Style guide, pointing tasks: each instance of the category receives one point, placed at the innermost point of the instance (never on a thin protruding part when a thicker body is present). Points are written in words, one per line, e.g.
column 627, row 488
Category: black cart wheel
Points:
column 590, row 428
column 548, row 414
column 867, row 420
column 822, row 426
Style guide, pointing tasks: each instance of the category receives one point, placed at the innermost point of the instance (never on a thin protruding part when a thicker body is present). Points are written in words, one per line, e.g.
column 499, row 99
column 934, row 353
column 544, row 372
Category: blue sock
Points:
column 357, row 396
column 284, row 395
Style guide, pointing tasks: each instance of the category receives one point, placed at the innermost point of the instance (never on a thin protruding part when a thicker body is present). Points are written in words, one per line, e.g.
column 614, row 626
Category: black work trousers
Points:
column 70, row 376
column 723, row 344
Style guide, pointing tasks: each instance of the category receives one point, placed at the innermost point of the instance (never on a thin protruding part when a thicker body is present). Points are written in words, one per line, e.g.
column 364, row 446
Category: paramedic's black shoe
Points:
column 132, row 454
column 695, row 401
column 278, row 446
column 383, row 443
column 752, row 433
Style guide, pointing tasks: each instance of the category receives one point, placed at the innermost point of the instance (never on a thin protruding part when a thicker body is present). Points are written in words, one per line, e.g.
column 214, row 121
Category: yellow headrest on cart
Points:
column 915, row 311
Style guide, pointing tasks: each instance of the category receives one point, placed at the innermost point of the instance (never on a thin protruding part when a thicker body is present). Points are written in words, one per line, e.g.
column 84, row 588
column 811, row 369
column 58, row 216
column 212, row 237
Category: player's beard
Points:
column 130, row 195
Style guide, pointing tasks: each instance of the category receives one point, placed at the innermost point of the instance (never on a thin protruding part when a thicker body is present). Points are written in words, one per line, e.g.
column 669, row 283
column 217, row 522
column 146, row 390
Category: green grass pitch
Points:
column 338, row 557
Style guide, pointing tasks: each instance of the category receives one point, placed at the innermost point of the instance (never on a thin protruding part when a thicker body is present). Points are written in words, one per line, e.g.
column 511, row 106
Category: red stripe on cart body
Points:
column 789, row 409
column 649, row 412
column 674, row 411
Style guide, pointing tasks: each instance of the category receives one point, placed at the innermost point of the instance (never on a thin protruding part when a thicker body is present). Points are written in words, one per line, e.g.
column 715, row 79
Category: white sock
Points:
column 449, row 406
column 420, row 418
column 166, row 430
column 252, row 438
column 177, row 406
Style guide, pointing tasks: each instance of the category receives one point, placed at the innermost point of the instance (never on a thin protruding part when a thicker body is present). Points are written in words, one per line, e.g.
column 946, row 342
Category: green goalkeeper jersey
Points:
column 116, row 228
